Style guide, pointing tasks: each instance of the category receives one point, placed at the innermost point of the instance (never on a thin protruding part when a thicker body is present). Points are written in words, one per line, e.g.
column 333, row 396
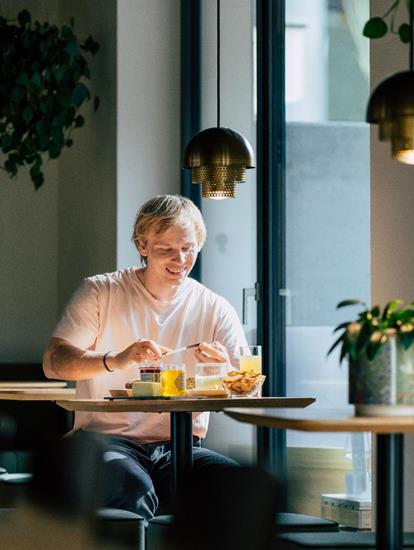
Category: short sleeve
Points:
column 229, row 331
column 79, row 324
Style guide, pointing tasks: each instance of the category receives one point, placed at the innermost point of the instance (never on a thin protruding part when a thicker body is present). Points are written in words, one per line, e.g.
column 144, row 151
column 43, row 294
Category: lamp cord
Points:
column 218, row 62
column 412, row 35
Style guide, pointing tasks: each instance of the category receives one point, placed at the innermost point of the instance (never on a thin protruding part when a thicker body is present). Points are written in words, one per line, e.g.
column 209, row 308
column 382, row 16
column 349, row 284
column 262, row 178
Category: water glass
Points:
column 251, row 359
column 209, row 376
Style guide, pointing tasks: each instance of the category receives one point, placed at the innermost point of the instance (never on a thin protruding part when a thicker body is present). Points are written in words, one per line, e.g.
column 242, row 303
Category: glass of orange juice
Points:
column 251, row 359
column 173, row 380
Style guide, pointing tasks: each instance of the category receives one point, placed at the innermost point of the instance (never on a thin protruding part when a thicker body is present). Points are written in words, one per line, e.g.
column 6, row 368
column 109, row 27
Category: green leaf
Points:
column 344, row 351
column 407, row 339
column 390, row 307
column 58, row 72
column 72, row 49
column 372, row 350
column 90, row 45
column 375, row 27
column 375, row 311
column 11, row 166
column 79, row 121
column 79, row 94
column 17, row 94
column 363, row 338
column 342, row 325
column 27, row 114
column 335, row 343
column 23, row 80
column 405, row 33
column 24, row 18
column 350, row 303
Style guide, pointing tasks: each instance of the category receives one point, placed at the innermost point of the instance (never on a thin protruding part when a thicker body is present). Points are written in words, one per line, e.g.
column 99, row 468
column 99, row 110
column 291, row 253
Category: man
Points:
column 116, row 320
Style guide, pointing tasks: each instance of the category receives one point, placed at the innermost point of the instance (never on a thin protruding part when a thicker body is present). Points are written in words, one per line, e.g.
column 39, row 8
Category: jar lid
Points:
column 152, row 369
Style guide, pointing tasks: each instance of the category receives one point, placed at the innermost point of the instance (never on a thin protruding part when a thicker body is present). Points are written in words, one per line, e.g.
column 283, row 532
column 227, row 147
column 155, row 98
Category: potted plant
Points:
column 379, row 345
column 42, row 87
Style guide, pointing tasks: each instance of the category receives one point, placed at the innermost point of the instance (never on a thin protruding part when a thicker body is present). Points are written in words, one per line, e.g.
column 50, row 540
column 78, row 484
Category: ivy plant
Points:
column 42, row 87
column 377, row 27
column 373, row 327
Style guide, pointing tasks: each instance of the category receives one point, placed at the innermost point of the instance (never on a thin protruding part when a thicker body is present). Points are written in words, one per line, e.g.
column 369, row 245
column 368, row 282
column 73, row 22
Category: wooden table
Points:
column 389, row 433
column 181, row 419
column 37, row 394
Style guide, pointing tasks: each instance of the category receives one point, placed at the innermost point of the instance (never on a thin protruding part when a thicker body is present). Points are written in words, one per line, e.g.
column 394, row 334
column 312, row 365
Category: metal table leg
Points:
column 181, row 450
column 389, row 527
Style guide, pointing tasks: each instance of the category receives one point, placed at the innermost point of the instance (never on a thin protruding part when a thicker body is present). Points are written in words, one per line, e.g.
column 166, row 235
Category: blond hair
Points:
column 164, row 211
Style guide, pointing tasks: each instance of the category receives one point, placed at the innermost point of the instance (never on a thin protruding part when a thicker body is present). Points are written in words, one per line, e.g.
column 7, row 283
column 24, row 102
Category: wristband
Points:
column 104, row 362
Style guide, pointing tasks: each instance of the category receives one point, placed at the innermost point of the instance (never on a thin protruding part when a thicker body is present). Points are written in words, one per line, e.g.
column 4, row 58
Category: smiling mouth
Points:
column 175, row 271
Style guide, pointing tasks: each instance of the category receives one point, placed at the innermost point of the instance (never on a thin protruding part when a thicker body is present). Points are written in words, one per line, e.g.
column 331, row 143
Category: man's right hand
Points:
column 63, row 361
column 138, row 352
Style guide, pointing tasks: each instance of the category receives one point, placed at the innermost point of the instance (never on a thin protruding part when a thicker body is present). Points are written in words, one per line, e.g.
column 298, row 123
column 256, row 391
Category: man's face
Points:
column 171, row 254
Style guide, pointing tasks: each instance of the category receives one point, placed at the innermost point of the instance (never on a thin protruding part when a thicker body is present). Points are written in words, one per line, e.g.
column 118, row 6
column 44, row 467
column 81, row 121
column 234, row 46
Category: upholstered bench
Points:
column 121, row 526
column 357, row 540
column 157, row 531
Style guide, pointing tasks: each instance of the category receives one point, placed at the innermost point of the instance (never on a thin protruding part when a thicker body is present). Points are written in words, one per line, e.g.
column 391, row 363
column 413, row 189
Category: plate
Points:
column 120, row 393
column 207, row 393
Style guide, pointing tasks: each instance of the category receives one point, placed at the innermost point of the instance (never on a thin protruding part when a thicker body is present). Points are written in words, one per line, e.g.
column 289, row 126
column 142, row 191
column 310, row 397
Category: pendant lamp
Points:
column 391, row 106
column 218, row 157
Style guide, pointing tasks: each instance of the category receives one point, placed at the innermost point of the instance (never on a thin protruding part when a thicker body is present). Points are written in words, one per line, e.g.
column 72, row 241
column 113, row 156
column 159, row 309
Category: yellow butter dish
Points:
column 143, row 388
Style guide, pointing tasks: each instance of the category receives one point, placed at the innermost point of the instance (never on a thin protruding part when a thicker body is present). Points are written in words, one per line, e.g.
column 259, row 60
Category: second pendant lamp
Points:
column 218, row 157
column 391, row 106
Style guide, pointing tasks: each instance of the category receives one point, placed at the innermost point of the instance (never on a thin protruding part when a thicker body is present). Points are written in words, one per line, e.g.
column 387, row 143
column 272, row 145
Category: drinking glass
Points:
column 173, row 379
column 251, row 359
column 209, row 376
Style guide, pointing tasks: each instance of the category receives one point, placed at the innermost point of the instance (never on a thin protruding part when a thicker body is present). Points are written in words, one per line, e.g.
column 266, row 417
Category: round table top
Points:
column 37, row 394
column 179, row 405
column 315, row 419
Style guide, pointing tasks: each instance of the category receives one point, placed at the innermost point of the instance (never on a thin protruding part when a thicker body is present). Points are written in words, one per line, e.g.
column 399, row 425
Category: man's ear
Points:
column 142, row 247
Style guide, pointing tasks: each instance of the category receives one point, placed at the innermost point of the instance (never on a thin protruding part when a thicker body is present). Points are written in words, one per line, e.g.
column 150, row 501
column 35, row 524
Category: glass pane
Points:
column 327, row 217
column 228, row 260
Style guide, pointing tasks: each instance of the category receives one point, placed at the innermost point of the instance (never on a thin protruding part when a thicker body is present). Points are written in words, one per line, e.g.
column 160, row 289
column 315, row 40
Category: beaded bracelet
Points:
column 104, row 362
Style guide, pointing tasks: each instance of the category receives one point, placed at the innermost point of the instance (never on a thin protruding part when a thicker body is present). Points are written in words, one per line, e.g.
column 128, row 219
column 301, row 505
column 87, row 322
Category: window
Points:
column 327, row 197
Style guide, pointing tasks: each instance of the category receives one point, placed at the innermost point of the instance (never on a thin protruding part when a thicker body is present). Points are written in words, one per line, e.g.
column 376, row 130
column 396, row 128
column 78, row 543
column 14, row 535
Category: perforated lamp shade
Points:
column 391, row 106
column 218, row 158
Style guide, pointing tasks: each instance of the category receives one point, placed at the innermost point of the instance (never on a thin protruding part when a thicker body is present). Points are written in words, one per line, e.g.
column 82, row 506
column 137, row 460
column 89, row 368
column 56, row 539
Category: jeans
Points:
column 137, row 477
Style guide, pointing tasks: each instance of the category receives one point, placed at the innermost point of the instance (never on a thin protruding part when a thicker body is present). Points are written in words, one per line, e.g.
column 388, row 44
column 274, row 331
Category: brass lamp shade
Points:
column 391, row 106
column 218, row 158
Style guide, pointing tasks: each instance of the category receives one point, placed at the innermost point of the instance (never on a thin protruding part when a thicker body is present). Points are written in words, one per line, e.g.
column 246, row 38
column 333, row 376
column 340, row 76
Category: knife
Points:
column 180, row 349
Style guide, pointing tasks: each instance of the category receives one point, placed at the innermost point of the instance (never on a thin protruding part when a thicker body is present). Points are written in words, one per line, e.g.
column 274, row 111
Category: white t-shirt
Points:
column 113, row 310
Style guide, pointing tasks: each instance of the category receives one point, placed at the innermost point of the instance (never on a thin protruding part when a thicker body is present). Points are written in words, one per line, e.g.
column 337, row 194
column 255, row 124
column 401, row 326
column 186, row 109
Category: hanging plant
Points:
column 42, row 73
column 377, row 27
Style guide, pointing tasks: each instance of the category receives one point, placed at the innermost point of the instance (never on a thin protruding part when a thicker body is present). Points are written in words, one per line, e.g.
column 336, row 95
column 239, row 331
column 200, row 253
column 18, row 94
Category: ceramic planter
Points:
column 385, row 385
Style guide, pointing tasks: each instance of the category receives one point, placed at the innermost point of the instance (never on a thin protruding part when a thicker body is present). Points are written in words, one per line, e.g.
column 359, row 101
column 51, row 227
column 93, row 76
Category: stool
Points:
column 121, row 526
column 298, row 523
column 357, row 540
column 157, row 531
column 13, row 488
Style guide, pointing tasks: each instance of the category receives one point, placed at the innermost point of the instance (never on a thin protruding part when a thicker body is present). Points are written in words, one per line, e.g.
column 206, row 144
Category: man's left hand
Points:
column 211, row 353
